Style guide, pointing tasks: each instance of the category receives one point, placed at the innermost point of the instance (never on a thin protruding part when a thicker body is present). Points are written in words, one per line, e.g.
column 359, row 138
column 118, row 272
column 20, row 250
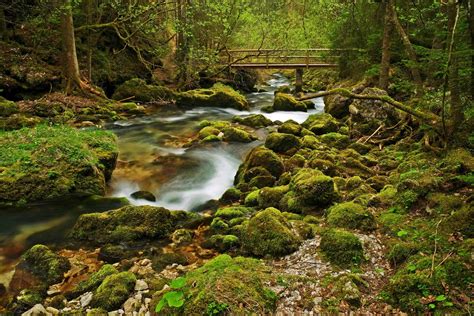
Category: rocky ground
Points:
column 325, row 217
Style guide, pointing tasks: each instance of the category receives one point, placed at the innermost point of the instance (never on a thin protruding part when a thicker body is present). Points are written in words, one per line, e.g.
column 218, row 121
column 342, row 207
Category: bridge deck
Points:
column 283, row 65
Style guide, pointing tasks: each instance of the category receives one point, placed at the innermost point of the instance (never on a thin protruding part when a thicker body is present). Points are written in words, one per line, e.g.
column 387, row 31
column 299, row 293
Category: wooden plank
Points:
column 283, row 65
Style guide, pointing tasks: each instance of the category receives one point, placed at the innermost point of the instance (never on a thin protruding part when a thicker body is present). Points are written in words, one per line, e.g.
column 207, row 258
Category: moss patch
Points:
column 114, row 291
column 218, row 96
column 342, row 248
column 352, row 216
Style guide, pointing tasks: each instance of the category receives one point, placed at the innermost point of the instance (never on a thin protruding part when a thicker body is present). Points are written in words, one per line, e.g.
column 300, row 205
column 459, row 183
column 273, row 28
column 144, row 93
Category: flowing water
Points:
column 151, row 158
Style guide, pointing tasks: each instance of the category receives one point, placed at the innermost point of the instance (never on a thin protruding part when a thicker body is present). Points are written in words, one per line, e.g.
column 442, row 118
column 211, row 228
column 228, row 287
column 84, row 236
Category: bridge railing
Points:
column 267, row 58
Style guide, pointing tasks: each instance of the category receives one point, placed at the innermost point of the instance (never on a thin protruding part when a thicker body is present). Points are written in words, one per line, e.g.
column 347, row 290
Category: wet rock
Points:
column 263, row 158
column 286, row 102
column 114, row 291
column 290, row 127
column 217, row 96
column 280, row 142
column 269, row 233
column 138, row 90
column 233, row 134
column 131, row 223
column 254, row 120
column 321, row 124
column 182, row 236
column 144, row 195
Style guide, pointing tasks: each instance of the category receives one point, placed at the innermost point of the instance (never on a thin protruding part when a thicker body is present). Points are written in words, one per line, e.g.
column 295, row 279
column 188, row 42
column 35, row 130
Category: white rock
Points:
column 36, row 310
column 52, row 310
column 86, row 299
column 141, row 285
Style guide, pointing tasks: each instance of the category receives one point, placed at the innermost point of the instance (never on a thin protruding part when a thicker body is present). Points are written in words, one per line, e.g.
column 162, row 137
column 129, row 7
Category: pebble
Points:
column 38, row 309
column 141, row 285
column 52, row 310
column 86, row 299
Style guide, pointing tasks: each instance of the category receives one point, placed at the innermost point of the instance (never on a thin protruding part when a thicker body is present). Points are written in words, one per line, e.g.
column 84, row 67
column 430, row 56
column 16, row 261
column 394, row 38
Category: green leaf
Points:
column 432, row 306
column 440, row 298
column 448, row 304
column 402, row 233
column 174, row 299
column 178, row 283
column 160, row 305
column 411, row 267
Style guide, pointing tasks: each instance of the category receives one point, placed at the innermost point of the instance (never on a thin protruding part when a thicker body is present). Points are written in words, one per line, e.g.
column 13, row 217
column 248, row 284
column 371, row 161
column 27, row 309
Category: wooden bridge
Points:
column 298, row 59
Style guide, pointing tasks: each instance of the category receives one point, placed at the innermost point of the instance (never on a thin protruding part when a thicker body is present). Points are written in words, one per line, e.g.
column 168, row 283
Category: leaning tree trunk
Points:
column 385, row 63
column 414, row 68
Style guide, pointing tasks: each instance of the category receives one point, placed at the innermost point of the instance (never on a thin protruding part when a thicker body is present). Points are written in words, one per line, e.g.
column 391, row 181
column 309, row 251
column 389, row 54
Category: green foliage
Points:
column 175, row 298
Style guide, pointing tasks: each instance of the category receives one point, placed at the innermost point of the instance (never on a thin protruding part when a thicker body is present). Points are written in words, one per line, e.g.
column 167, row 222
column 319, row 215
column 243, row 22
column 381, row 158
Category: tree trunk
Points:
column 182, row 45
column 71, row 69
column 3, row 25
column 470, row 5
column 453, row 69
column 385, row 63
column 414, row 68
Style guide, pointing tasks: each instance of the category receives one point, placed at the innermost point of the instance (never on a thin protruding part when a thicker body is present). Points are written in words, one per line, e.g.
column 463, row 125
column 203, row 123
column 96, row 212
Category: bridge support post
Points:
column 299, row 80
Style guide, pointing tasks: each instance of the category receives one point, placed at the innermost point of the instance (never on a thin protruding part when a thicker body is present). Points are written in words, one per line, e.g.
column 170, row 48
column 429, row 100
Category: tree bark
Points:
column 182, row 45
column 414, row 68
column 385, row 63
column 470, row 8
column 71, row 69
column 3, row 25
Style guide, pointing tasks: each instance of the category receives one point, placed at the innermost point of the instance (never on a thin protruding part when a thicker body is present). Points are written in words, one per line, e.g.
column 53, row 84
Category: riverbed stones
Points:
column 114, row 291
column 218, row 96
column 254, row 120
column 321, row 123
column 262, row 158
column 281, row 142
column 138, row 90
column 286, row 102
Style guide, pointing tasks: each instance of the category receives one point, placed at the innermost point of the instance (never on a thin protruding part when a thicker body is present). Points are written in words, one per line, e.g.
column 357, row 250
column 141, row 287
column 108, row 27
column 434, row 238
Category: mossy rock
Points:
column 8, row 108
column 233, row 212
column 261, row 157
column 254, row 120
column 295, row 162
column 208, row 131
column 131, row 223
column 218, row 96
column 290, row 127
column 341, row 247
column 17, row 121
column 270, row 197
column 138, row 90
column 252, row 198
column 400, row 252
column 325, row 166
column 114, row 291
column 309, row 141
column 321, row 123
column 231, row 195
column 268, row 233
column 47, row 162
column 232, row 285
column 347, row 288
column 461, row 221
column 312, row 187
column 222, row 243
column 162, row 260
column 128, row 107
column 352, row 216
column 44, row 264
column 280, row 142
column 286, row 102
column 93, row 282
column 233, row 134
column 336, row 140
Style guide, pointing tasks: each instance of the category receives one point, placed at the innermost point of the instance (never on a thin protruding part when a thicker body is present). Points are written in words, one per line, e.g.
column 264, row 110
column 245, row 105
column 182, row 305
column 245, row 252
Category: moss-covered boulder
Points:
column 7, row 107
column 286, row 102
column 352, row 216
column 49, row 162
column 337, row 105
column 336, row 140
column 114, row 291
column 280, row 142
column 270, row 197
column 44, row 264
column 313, row 188
column 233, row 134
column 138, row 90
column 262, row 158
column 235, row 286
column 222, row 243
column 268, row 233
column 321, row 123
column 341, row 247
column 93, row 282
column 131, row 223
column 218, row 96
column 254, row 120
column 290, row 127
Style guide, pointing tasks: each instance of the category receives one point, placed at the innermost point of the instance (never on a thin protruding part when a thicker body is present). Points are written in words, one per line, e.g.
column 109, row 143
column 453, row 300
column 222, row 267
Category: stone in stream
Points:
column 144, row 195
column 218, row 96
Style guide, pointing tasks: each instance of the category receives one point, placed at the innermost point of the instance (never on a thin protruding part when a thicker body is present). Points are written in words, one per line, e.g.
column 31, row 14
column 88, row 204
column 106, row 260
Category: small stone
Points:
column 130, row 305
column 52, row 310
column 86, row 299
column 141, row 285
column 38, row 309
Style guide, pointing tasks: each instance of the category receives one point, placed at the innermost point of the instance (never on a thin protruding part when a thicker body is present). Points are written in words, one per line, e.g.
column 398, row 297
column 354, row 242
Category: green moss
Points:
column 321, row 123
column 270, row 197
column 325, row 166
column 252, row 198
column 238, row 283
column 336, row 140
column 260, row 157
column 461, row 221
column 94, row 280
column 218, row 225
column 309, row 141
column 347, row 288
column 387, row 194
column 208, row 131
column 8, row 108
column 232, row 212
column 360, row 148
column 28, row 298
column 44, row 264
column 222, row 243
column 52, row 161
column 280, row 142
column 254, row 120
column 286, row 102
column 233, row 134
column 231, row 195
column 401, row 251
column 445, row 203
column 313, row 188
column 130, row 223
column 290, row 127
column 114, row 291
column 352, row 216
column 139, row 90
column 269, row 233
column 342, row 248
column 218, row 96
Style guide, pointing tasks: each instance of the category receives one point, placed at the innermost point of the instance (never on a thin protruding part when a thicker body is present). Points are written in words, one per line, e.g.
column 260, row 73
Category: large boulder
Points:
column 286, row 102
column 49, row 162
column 254, row 120
column 219, row 95
column 269, row 233
column 114, row 291
column 352, row 216
column 7, row 108
column 131, row 223
column 138, row 90
column 281, row 142
column 342, row 248
column 313, row 188
column 260, row 162
column 321, row 123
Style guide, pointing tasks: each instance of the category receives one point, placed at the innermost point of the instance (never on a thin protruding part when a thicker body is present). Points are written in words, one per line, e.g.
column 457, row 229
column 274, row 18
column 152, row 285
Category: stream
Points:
column 151, row 158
